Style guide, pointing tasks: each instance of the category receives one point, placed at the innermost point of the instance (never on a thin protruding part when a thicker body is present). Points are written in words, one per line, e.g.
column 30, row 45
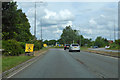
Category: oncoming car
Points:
column 66, row 46
column 74, row 47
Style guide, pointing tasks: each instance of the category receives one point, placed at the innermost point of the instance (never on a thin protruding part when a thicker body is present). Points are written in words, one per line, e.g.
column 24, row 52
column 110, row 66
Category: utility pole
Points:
column 41, row 21
column 114, row 31
column 80, row 38
column 35, row 22
column 110, row 36
column 41, row 29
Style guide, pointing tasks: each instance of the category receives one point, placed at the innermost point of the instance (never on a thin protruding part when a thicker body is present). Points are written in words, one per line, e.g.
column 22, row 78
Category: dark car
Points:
column 95, row 46
column 66, row 46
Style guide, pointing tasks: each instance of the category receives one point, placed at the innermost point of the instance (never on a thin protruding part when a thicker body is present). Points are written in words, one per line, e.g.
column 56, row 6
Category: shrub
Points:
column 12, row 48
column 37, row 45
column 22, row 44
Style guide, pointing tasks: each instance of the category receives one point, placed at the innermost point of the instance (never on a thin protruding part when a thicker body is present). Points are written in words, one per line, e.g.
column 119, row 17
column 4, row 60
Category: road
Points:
column 57, row 63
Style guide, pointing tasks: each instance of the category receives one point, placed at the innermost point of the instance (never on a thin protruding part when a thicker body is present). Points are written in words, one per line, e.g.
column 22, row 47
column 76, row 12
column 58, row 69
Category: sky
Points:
column 92, row 19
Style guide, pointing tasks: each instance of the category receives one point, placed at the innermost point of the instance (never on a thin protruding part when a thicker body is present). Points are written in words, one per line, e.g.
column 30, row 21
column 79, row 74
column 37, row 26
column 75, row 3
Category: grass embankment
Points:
column 83, row 48
column 113, row 49
column 12, row 61
column 0, row 64
column 58, row 47
column 9, row 62
column 115, row 54
column 0, row 44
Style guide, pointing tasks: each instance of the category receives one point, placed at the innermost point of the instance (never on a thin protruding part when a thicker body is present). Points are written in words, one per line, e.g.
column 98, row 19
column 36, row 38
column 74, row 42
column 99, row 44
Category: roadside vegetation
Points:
column 15, row 34
column 16, row 31
column 70, row 36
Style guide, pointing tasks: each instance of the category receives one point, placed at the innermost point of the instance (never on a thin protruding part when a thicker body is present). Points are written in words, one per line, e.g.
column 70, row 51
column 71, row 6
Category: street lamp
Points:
column 35, row 22
column 41, row 2
column 80, row 38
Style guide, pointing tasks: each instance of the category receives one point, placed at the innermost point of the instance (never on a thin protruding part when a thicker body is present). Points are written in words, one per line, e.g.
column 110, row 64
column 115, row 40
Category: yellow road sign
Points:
column 29, row 47
column 45, row 45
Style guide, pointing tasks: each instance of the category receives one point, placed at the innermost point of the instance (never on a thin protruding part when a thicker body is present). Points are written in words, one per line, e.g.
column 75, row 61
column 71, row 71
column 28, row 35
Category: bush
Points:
column 22, row 44
column 12, row 48
column 37, row 45
column 114, row 46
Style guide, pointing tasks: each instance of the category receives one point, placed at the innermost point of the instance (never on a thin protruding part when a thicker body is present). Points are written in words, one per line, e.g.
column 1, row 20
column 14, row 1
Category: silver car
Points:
column 74, row 47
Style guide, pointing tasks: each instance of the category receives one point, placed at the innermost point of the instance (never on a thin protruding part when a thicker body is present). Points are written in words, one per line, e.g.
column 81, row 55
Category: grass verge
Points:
column 9, row 62
column 114, row 54
column 12, row 61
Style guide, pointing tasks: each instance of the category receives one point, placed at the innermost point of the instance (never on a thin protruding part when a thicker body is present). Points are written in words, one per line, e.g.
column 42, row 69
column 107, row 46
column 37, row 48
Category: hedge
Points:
column 12, row 48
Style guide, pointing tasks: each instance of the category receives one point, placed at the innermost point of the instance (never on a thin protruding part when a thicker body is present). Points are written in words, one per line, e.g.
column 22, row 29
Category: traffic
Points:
column 72, row 47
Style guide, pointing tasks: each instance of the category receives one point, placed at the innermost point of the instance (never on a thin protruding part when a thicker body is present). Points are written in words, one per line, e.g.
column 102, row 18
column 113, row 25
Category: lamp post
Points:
column 80, row 38
column 41, row 2
column 35, row 22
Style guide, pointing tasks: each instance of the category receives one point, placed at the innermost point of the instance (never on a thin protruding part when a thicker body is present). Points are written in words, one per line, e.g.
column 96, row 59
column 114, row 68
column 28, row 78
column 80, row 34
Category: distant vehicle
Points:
column 66, row 46
column 74, row 47
column 95, row 46
column 107, row 47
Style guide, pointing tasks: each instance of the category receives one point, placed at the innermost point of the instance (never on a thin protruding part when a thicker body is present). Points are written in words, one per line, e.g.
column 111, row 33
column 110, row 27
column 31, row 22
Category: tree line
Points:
column 70, row 36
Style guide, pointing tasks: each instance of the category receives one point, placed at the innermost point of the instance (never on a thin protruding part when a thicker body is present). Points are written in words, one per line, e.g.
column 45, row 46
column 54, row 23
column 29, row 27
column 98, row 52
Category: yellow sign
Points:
column 29, row 47
column 45, row 45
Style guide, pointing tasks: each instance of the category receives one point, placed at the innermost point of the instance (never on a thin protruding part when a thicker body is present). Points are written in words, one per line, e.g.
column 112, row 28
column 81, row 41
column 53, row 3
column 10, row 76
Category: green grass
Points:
column 0, row 44
column 12, row 61
column 58, row 47
column 0, row 64
column 9, row 62
column 113, row 49
column 83, row 48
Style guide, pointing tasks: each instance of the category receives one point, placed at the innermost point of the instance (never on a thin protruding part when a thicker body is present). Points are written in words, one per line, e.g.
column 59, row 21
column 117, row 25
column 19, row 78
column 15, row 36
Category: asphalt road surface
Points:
column 59, row 63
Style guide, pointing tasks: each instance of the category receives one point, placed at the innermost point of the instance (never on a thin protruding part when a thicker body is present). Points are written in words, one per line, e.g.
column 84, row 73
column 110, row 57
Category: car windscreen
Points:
column 74, row 45
column 67, row 45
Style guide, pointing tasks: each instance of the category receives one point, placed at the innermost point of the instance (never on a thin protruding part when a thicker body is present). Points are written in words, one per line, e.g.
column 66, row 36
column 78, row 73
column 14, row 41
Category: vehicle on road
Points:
column 107, row 47
column 74, row 47
column 66, row 46
column 95, row 46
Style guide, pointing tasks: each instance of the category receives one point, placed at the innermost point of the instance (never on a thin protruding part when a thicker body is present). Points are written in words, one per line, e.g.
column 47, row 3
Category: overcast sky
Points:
column 91, row 18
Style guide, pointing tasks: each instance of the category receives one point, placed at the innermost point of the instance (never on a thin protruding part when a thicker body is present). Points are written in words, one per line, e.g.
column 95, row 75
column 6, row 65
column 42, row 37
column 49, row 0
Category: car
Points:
column 107, row 47
column 74, row 47
column 66, row 46
column 95, row 46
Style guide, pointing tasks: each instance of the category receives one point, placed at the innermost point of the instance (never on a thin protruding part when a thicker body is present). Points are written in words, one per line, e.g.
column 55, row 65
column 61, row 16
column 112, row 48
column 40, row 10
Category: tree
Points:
column 69, row 35
column 50, row 42
column 100, row 42
column 15, row 24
